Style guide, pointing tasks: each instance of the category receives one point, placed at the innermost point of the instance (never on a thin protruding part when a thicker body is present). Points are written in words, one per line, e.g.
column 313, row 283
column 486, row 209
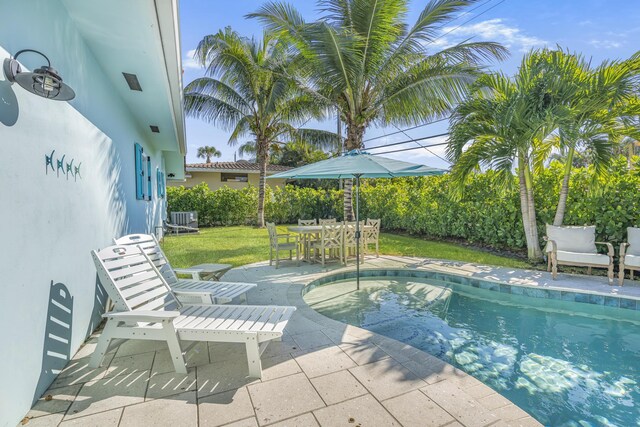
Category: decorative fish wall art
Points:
column 66, row 168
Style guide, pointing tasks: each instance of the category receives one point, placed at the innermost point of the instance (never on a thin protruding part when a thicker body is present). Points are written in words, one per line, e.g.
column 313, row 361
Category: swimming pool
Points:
column 566, row 363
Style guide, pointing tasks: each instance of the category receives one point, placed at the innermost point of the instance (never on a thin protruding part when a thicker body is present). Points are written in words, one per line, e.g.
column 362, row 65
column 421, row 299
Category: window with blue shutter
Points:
column 149, row 178
column 160, row 179
column 139, row 160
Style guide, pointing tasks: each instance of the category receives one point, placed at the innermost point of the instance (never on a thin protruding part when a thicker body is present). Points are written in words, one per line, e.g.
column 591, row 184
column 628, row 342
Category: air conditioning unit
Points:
column 186, row 219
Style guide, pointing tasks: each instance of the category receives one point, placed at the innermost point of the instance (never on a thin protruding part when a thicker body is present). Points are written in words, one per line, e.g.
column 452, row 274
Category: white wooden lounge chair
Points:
column 576, row 246
column 146, row 308
column 630, row 254
column 185, row 219
column 219, row 292
column 170, row 228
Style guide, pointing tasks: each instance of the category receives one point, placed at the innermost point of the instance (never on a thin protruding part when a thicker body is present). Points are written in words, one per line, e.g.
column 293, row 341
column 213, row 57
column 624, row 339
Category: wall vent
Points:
column 132, row 81
column 155, row 129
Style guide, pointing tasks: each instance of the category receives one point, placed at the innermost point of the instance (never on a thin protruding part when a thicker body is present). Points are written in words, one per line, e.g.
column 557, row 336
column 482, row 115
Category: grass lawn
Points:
column 245, row 245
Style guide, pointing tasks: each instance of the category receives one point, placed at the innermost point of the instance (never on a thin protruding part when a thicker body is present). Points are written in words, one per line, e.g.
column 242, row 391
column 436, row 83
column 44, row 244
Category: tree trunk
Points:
column 564, row 189
column 534, row 252
column 352, row 142
column 263, row 158
column 348, row 199
column 527, row 209
column 524, row 203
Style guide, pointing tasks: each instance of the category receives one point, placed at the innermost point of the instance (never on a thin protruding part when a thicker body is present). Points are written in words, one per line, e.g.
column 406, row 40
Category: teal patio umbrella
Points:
column 358, row 164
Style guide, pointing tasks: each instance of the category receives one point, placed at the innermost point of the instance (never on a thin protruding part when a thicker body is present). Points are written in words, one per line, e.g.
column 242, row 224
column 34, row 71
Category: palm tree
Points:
column 207, row 152
column 247, row 91
column 499, row 127
column 293, row 153
column 629, row 139
column 591, row 103
column 298, row 153
column 628, row 147
column 362, row 58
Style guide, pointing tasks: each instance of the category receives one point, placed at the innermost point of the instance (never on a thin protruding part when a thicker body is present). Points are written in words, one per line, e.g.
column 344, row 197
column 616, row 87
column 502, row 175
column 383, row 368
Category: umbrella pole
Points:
column 357, row 232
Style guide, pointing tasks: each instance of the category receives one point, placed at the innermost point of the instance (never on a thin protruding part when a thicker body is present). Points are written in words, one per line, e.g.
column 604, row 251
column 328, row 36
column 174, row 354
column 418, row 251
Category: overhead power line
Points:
column 467, row 12
column 409, row 140
column 465, row 22
column 410, row 148
column 427, row 149
column 407, row 129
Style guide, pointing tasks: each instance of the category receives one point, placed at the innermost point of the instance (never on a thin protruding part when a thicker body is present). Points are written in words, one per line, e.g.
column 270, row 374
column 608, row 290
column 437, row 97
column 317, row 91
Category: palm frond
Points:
column 212, row 110
column 318, row 138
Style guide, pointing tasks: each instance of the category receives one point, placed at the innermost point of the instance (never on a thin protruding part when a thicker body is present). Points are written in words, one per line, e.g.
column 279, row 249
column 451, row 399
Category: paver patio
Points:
column 322, row 372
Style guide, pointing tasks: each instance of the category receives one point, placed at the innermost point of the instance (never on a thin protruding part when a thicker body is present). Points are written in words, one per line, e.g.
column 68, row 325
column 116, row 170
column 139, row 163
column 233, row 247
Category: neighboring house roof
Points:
column 238, row 167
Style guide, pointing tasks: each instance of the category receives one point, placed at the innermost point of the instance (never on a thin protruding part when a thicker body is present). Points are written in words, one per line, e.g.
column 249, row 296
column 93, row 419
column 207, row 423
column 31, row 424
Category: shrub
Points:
column 224, row 206
column 486, row 214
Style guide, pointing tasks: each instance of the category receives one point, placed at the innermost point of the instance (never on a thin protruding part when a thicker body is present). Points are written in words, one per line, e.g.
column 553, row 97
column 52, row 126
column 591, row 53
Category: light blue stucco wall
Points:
column 49, row 224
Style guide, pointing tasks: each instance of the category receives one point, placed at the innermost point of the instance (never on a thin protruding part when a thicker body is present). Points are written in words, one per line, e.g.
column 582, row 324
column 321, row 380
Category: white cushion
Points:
column 632, row 260
column 633, row 238
column 573, row 239
column 582, row 258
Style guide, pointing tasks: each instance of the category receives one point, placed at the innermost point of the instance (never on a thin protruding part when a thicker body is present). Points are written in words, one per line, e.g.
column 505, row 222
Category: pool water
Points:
column 565, row 363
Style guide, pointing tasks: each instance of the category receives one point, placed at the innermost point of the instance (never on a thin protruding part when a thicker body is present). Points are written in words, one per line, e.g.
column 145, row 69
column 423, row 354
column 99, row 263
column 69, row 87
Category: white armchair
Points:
column 576, row 246
column 630, row 254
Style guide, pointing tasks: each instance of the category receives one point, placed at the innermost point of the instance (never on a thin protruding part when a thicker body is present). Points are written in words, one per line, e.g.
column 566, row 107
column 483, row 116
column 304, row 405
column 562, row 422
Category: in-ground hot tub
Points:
column 567, row 358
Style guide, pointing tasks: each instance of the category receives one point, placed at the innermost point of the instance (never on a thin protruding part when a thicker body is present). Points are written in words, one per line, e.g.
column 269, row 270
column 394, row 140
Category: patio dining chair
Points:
column 305, row 243
column 372, row 235
column 350, row 241
column 329, row 243
column 307, row 222
column 213, row 292
column 327, row 221
column 146, row 308
column 291, row 244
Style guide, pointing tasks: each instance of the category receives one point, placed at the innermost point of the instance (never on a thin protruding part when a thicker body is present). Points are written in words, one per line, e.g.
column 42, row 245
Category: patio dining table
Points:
column 306, row 231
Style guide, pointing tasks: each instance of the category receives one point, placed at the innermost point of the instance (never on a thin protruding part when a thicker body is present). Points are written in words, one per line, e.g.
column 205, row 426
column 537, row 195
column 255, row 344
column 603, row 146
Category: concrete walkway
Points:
column 322, row 372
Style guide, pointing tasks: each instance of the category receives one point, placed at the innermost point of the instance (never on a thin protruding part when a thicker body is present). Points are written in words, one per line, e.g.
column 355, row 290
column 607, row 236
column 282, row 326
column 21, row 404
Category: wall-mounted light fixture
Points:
column 44, row 81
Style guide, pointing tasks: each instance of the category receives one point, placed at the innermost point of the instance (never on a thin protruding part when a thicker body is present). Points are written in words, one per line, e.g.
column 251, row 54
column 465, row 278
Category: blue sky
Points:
column 599, row 29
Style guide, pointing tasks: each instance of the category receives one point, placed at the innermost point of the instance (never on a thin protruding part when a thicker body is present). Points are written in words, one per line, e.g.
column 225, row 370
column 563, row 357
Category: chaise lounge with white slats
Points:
column 217, row 292
column 145, row 307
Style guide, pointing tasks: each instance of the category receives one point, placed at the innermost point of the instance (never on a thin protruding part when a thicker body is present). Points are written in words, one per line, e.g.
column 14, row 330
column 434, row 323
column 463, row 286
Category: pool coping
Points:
column 558, row 293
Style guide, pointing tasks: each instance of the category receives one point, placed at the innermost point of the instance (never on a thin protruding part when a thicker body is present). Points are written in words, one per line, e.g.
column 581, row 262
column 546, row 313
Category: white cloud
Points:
column 490, row 30
column 605, row 44
column 189, row 61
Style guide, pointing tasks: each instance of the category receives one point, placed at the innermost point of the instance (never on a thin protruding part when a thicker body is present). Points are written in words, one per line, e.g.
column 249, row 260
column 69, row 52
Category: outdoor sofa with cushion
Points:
column 576, row 246
column 630, row 253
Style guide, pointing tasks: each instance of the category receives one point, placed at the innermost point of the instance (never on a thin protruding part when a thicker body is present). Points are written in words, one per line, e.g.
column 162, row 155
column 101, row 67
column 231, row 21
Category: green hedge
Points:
column 486, row 214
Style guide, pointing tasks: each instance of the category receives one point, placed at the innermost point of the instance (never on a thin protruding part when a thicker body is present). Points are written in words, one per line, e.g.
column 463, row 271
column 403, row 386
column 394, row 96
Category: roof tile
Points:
column 241, row 165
